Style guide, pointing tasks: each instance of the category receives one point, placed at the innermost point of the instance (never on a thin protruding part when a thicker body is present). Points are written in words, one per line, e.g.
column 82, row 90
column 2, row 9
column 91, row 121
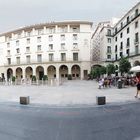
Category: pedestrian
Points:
column 137, row 84
column 100, row 83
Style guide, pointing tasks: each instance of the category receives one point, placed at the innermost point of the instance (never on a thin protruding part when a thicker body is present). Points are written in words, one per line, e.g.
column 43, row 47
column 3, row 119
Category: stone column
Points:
column 23, row 73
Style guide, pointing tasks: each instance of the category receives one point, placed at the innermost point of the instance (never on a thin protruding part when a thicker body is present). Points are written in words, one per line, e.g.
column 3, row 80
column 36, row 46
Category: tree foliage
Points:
column 110, row 69
column 124, row 65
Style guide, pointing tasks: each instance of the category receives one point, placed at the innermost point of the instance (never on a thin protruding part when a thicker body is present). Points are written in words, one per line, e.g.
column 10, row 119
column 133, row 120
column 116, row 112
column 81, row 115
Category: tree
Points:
column 110, row 69
column 124, row 65
column 102, row 70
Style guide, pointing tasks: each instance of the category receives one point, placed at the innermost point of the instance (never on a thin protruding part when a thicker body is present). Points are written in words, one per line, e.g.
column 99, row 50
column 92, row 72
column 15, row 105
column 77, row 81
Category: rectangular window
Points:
column 18, row 50
column 75, row 45
column 75, row 56
column 63, row 56
column 136, row 49
column 116, row 57
column 28, row 59
column 39, row 48
column 9, row 61
column 136, row 37
column 108, row 56
column 136, row 12
column 128, row 42
column 121, row 54
column 40, row 31
column 116, row 48
column 51, row 30
column 62, row 37
column 121, row 35
column 121, row 24
column 128, row 30
column 51, row 57
column 116, row 38
column 8, row 52
column 75, row 37
column 8, row 44
column 109, row 40
column 50, row 47
column 127, row 52
column 63, row 46
column 38, row 39
column 17, row 43
column 28, row 40
column 127, row 20
column 18, row 60
column 108, row 49
column 136, row 24
column 39, row 58
column 121, row 46
column 27, row 49
column 50, row 38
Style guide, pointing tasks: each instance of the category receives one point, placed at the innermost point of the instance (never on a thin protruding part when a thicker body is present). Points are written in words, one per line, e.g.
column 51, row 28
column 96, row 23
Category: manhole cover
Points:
column 113, row 108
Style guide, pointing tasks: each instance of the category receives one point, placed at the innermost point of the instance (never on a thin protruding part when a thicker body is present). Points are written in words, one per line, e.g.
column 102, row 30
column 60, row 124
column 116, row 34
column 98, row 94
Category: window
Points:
column 109, row 40
column 75, row 56
column 116, row 57
column 136, row 24
column 8, row 52
column 121, row 35
column 127, row 19
column 51, row 57
column 39, row 48
column 50, row 46
column 121, row 54
column 28, row 40
column 28, row 34
column 40, row 31
column 39, row 58
column 108, row 49
column 127, row 30
column 75, row 37
column 63, row 56
column 109, row 32
column 75, row 29
column 8, row 44
column 136, row 37
column 121, row 46
column 128, row 42
column 136, row 49
column 17, row 43
column 116, row 30
column 27, row 49
column 50, row 38
column 18, row 60
column 62, row 37
column 38, row 39
column 75, row 46
column 28, row 59
column 127, row 52
column 136, row 12
column 51, row 30
column 108, row 56
column 116, row 48
column 116, row 38
column 62, row 46
column 121, row 24
column 9, row 61
column 18, row 50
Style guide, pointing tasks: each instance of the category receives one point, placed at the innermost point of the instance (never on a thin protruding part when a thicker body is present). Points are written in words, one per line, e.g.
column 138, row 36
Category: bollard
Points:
column 25, row 100
column 100, row 100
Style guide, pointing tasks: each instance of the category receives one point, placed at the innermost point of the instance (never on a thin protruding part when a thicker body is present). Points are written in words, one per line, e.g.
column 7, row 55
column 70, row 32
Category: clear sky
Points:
column 19, row 13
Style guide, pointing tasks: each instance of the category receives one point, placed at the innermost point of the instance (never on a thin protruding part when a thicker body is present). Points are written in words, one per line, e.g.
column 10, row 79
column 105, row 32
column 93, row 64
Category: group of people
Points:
column 113, row 81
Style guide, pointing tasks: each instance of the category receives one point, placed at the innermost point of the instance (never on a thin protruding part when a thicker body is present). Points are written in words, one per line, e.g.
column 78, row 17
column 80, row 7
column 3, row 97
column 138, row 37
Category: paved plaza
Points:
column 70, row 93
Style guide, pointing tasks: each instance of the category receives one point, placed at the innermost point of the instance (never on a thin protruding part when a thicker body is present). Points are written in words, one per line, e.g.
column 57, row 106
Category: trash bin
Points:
column 119, row 84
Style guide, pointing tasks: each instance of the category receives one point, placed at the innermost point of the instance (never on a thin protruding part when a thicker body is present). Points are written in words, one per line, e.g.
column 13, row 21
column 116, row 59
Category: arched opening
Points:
column 9, row 73
column 19, row 73
column 63, row 71
column 39, row 72
column 51, row 72
column 75, row 70
column 136, row 63
column 29, row 72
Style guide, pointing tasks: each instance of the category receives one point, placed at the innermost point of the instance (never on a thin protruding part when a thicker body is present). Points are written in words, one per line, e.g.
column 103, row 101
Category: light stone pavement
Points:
column 68, row 94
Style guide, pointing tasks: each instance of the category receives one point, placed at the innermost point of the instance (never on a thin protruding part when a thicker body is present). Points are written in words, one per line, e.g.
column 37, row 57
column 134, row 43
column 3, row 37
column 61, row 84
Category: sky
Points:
column 20, row 13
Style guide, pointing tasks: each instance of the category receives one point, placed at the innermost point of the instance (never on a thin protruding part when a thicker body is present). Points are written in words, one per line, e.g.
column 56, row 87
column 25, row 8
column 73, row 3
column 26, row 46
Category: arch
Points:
column 39, row 72
column 29, row 72
column 75, row 71
column 136, row 63
column 51, row 71
column 9, row 73
column 63, row 71
column 19, row 73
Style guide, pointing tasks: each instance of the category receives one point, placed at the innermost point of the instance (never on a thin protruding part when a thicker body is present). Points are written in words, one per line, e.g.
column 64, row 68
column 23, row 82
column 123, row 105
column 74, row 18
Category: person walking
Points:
column 137, row 84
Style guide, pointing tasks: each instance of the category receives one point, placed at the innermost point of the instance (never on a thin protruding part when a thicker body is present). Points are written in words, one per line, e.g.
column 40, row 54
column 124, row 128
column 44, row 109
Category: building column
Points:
column 57, row 73
column 23, row 73
column 34, row 71
column 82, row 74
column 69, row 70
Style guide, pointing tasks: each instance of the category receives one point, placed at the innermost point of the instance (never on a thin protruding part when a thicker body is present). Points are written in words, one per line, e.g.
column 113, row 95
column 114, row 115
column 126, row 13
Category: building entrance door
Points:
column 41, row 74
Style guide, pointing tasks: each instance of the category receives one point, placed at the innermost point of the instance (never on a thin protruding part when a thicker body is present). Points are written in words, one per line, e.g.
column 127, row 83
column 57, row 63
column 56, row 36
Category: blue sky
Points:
column 18, row 13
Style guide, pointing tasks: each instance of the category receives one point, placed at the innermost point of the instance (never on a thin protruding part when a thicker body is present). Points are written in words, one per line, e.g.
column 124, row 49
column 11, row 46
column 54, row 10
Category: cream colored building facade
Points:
column 54, row 49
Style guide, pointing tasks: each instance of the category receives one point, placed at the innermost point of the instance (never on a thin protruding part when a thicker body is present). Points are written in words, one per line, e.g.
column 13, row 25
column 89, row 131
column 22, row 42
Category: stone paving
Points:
column 70, row 93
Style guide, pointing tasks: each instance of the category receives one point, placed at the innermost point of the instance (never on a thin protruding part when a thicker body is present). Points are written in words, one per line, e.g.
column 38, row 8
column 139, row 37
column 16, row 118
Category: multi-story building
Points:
column 54, row 49
column 121, row 39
